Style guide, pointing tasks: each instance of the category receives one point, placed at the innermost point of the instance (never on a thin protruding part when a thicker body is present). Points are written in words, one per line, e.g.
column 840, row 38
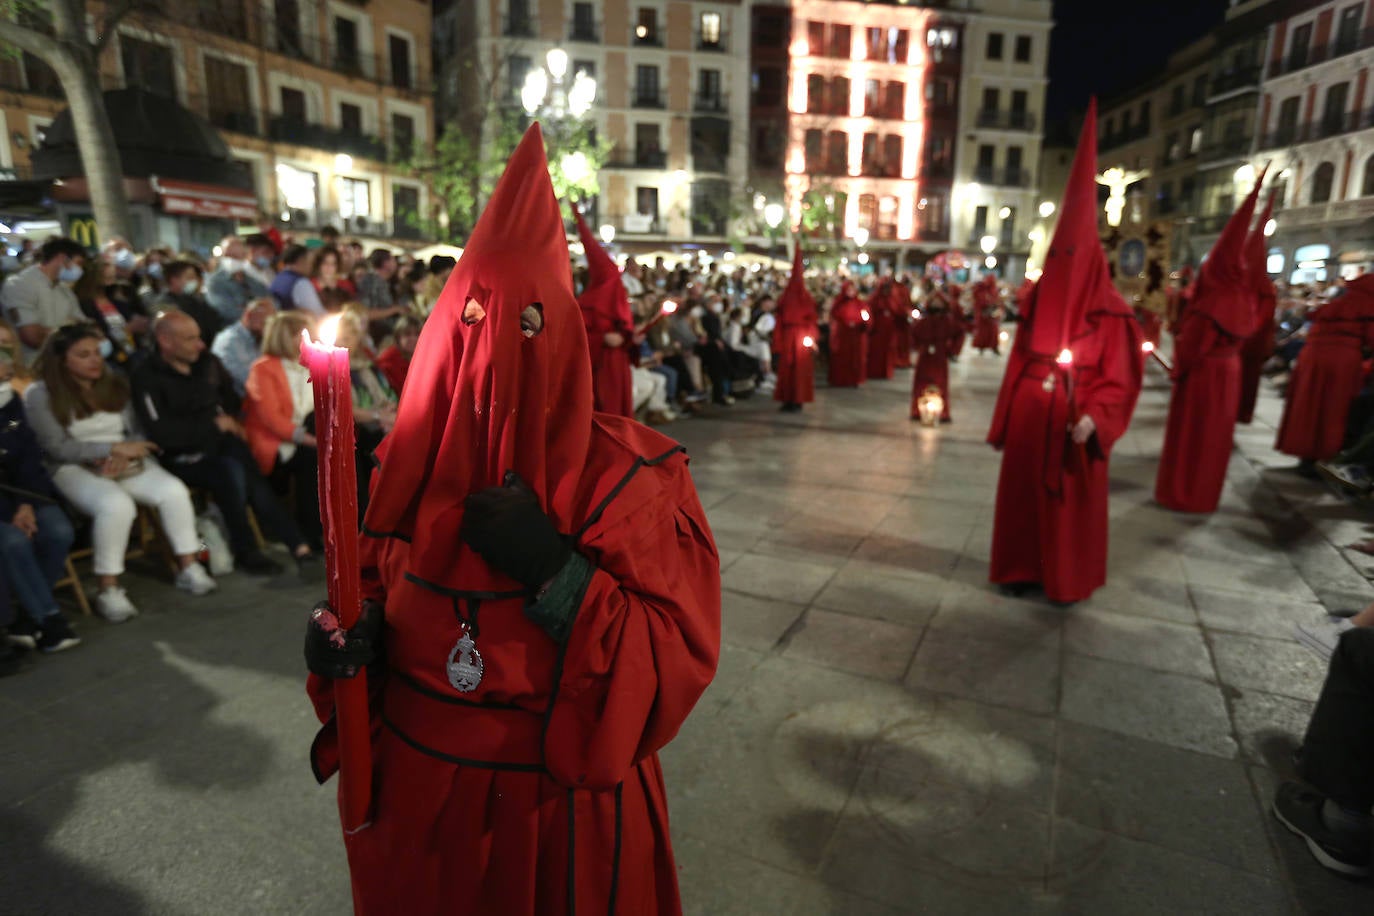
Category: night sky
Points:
column 1101, row 47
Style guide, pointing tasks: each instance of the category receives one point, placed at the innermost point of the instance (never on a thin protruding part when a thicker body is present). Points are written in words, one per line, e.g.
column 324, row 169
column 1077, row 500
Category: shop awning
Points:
column 193, row 199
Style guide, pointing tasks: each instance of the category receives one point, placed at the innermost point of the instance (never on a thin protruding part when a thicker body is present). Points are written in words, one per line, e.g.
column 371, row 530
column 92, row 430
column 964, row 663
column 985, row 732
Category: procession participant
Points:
column 794, row 342
column 1259, row 346
column 935, row 335
column 901, row 319
column 549, row 594
column 610, row 326
column 986, row 299
column 1328, row 376
column 848, row 339
column 1071, row 384
column 955, row 293
column 1206, row 373
column 882, row 354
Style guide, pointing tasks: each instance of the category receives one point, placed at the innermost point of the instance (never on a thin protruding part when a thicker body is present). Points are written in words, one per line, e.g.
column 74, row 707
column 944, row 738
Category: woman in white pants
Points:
column 82, row 416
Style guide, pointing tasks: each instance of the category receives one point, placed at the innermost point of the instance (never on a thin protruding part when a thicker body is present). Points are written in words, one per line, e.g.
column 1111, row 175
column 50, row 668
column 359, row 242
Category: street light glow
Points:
column 1047, row 209
column 988, row 243
column 1271, row 227
column 577, row 168
column 343, row 163
column 607, row 233
column 535, row 88
column 1004, row 213
column 557, row 60
column 773, row 214
column 860, row 237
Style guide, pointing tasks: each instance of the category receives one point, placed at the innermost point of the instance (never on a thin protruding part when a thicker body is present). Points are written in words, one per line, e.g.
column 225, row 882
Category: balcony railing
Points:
column 239, row 122
column 715, row 104
column 1292, row 134
column 650, row 38
column 1225, row 148
column 718, row 43
column 640, row 159
column 286, row 129
column 993, row 119
column 585, row 31
column 1122, row 137
column 521, row 26
column 1002, row 178
column 648, row 98
column 1339, row 46
column 1230, row 81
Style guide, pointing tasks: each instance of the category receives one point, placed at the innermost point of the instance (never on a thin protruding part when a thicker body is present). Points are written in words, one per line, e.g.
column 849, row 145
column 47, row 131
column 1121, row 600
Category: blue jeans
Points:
column 670, row 376
column 31, row 565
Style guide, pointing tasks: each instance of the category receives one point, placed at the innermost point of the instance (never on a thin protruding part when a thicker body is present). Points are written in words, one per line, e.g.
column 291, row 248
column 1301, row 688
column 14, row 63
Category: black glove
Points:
column 508, row 529
column 333, row 652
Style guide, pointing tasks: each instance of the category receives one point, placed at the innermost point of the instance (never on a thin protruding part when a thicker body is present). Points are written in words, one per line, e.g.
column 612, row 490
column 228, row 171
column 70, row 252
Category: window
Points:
column 871, row 98
column 1014, row 176
column 932, row 210
column 992, row 99
column 518, row 67
column 1176, row 100
column 399, row 49
column 646, row 86
column 355, row 197
column 940, row 91
column 770, row 29
column 293, row 107
column 646, row 202
column 841, row 41
column 350, row 118
column 1301, row 45
column 1322, row 180
column 980, row 221
column 148, row 66
column 899, row 45
column 405, row 211
column 1200, row 91
column 402, row 135
column 941, row 38
column 767, row 85
column 583, row 22
column 837, row 152
column 1144, row 125
column 839, row 95
column 869, row 158
column 1287, row 130
column 1173, row 150
column 709, row 96
column 1367, row 189
column 228, row 96
column 814, row 147
column 648, row 145
column 1333, row 115
column 1195, row 143
column 584, row 66
column 347, row 57
column 868, row 211
column 877, row 43
column 646, row 32
column 894, row 102
column 1008, row 234
column 518, row 21
column 1019, row 99
column 815, row 94
column 710, row 207
column 1023, row 49
column 287, row 18
column 1348, row 32
column 710, row 31
column 994, row 46
column 892, row 156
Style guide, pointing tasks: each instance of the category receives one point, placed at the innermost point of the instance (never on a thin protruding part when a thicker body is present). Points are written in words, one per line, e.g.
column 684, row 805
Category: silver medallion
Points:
column 464, row 665
column 931, row 350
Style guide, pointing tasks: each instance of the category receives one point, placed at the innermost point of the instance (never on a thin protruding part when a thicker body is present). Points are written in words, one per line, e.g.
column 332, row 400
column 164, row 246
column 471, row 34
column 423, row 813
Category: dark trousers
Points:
column 716, row 365
column 1338, row 752
column 303, row 470
column 233, row 481
column 684, row 377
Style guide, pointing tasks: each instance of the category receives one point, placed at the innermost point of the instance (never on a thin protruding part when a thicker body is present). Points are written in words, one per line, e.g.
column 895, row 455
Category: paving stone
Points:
column 1138, row 640
column 756, row 623
column 1252, row 614
column 773, row 577
column 859, row 645
column 1270, row 727
column 1277, row 666
column 1020, row 674
column 883, row 593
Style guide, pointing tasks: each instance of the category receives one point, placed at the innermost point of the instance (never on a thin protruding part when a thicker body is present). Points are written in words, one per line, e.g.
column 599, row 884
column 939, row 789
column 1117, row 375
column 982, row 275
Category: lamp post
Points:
column 560, row 104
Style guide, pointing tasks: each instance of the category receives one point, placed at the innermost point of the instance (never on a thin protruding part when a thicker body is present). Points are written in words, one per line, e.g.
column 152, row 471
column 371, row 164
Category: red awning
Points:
column 194, row 199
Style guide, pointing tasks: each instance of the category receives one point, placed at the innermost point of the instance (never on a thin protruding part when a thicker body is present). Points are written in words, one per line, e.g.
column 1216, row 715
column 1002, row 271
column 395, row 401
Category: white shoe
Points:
column 196, row 580
column 114, row 605
column 1322, row 637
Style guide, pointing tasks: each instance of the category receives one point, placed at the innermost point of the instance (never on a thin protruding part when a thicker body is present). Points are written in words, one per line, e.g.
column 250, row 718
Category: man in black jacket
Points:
column 187, row 404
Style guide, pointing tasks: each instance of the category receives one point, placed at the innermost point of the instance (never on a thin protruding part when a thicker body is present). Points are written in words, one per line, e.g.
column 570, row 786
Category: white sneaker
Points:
column 196, row 580
column 114, row 605
column 1322, row 637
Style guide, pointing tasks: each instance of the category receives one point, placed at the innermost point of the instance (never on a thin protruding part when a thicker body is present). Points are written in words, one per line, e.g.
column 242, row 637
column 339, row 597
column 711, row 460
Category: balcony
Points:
column 1002, row 178
column 715, row 43
column 641, row 224
column 1293, row 134
column 1122, row 137
column 710, row 104
column 1232, row 80
column 238, row 122
column 1225, row 148
column 992, row 119
column 942, row 111
column 642, row 159
column 588, row 32
column 1339, row 46
column 285, row 129
column 520, row 26
column 642, row 36
column 644, row 97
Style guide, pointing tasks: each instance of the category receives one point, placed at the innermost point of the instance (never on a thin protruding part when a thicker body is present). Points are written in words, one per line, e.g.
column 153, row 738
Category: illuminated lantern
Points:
column 1065, row 357
column 930, row 405
column 809, row 342
column 863, row 314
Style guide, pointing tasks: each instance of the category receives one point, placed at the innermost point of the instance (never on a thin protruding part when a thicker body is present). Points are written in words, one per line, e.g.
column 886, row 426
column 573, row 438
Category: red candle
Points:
column 669, row 307
column 338, row 494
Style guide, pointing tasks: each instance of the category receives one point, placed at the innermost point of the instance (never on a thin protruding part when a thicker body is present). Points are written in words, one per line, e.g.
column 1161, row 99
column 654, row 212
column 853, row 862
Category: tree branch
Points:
column 114, row 14
column 35, row 42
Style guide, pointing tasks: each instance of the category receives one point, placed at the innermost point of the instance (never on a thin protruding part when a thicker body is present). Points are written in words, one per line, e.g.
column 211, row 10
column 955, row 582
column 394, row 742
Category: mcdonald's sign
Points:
column 85, row 231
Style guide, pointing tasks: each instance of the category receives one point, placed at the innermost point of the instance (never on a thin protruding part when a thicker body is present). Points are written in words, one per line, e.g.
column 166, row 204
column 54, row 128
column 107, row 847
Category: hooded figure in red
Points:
column 1219, row 316
column 986, row 300
column 794, row 342
column 955, row 293
column 552, row 605
column 1259, row 346
column 610, row 326
column 848, row 339
column 882, row 349
column 902, row 318
column 935, row 335
column 1071, row 384
column 1328, row 374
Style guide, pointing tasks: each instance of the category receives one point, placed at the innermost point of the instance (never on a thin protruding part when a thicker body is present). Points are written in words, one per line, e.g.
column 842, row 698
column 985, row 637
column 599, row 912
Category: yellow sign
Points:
column 85, row 231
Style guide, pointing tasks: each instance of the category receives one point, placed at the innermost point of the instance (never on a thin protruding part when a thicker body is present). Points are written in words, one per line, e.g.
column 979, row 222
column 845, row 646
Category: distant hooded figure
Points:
column 1206, row 398
column 849, row 319
column 1070, row 388
column 1259, row 346
column 551, row 601
column 795, row 342
column 610, row 327
column 986, row 300
column 935, row 336
column 902, row 319
column 882, row 329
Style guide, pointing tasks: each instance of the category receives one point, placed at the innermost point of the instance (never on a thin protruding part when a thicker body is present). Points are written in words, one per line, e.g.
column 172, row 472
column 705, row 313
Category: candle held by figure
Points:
column 1065, row 357
column 1148, row 348
column 863, row 314
column 669, row 307
column 809, row 342
column 338, row 494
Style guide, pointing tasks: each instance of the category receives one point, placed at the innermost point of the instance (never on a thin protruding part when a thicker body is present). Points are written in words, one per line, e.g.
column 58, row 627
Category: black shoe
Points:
column 10, row 660
column 1300, row 810
column 310, row 568
column 944, row 420
column 23, row 632
column 57, row 635
column 1307, row 469
column 1016, row 589
column 257, row 563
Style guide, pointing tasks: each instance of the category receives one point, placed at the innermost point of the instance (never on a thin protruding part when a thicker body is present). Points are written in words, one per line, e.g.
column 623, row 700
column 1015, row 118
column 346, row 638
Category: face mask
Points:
column 106, row 349
column 231, row 265
column 191, row 287
column 155, row 269
column 262, row 262
column 69, row 274
column 124, row 259
column 6, row 393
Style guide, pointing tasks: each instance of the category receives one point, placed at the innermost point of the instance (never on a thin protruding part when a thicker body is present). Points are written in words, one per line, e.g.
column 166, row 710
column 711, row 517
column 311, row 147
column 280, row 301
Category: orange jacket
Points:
column 267, row 410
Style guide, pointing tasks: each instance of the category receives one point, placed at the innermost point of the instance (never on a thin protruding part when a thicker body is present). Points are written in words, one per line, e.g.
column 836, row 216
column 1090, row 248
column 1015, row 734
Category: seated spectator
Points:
column 394, row 361
column 374, row 289
column 82, row 415
column 183, row 295
column 150, row 273
column 262, row 258
column 239, row 345
column 122, row 290
column 119, row 346
column 374, row 400
column 185, row 400
column 408, row 285
column 440, row 266
column 22, row 376
column 35, row 534
column 278, row 406
column 233, row 284
column 331, row 283
column 267, row 229
column 292, row 287
column 39, row 299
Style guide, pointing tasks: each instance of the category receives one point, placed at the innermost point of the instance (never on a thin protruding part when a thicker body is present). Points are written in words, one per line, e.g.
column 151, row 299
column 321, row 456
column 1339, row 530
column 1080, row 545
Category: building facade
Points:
column 322, row 101
column 672, row 98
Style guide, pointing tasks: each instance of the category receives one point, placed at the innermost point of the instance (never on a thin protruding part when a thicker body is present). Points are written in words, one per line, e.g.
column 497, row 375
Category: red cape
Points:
column 1259, row 346
column 606, row 309
column 882, row 353
column 794, row 361
column 849, row 320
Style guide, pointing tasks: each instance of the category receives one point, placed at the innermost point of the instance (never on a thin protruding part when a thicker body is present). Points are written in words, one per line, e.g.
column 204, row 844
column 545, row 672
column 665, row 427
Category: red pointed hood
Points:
column 795, row 305
column 1257, row 253
column 605, row 294
column 481, row 398
column 1224, row 291
column 1075, row 282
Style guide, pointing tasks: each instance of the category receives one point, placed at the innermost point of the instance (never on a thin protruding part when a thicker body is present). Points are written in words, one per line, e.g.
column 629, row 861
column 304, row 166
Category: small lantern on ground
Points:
column 931, row 406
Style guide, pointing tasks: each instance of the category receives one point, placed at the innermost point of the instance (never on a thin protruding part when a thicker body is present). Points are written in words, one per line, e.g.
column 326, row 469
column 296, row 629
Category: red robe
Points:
column 1254, row 353
column 394, row 365
column 848, row 342
column 954, row 293
column 935, row 336
column 605, row 310
column 986, row 299
column 794, row 361
column 882, row 350
column 901, row 317
column 1151, row 325
column 1328, row 374
column 1050, row 525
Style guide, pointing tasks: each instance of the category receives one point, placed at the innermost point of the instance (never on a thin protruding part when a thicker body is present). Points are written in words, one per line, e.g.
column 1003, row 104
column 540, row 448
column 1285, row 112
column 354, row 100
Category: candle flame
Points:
column 916, row 313
column 808, row 342
column 669, row 307
column 328, row 330
column 1004, row 336
column 1065, row 357
column 864, row 314
column 1147, row 347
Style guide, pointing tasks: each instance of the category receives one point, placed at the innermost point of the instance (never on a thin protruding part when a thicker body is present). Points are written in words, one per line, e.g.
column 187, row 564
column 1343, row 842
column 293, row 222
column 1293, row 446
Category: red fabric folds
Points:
column 794, row 361
column 1259, row 346
column 848, row 339
column 606, row 310
column 935, row 336
column 882, row 331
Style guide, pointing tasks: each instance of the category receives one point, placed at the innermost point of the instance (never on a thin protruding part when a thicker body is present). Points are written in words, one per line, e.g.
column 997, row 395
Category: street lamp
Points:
column 547, row 90
column 860, row 237
column 1046, row 209
column 607, row 233
column 773, row 215
column 987, row 243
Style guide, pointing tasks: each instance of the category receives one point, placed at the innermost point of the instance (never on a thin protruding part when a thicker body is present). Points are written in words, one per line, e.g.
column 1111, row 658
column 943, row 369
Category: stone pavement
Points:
column 887, row 734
